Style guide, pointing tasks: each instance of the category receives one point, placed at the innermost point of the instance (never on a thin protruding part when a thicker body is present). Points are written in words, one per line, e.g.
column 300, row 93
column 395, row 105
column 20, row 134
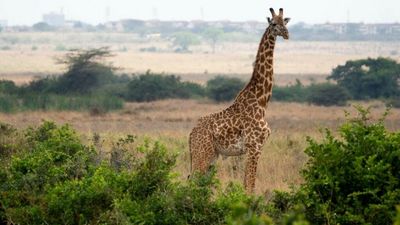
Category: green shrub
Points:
column 327, row 94
column 397, row 221
column 150, row 87
column 242, row 215
column 10, row 142
column 57, row 180
column 54, row 155
column 353, row 179
column 8, row 103
column 223, row 89
column 292, row 93
column 8, row 87
column 31, row 102
column 44, row 85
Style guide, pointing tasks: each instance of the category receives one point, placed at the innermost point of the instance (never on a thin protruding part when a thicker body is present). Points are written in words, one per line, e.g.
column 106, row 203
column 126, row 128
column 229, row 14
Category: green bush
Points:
column 45, row 85
column 55, row 179
column 8, row 103
column 223, row 89
column 8, row 87
column 327, row 94
column 397, row 221
column 150, row 87
column 292, row 93
column 54, row 155
column 31, row 102
column 353, row 179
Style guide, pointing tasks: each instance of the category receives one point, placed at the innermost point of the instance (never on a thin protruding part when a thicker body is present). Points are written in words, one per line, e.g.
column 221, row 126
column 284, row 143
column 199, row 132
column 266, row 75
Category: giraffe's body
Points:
column 242, row 127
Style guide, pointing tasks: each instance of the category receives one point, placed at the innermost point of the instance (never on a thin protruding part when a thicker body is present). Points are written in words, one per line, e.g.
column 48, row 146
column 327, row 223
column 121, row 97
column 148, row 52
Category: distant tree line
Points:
column 299, row 31
column 91, row 84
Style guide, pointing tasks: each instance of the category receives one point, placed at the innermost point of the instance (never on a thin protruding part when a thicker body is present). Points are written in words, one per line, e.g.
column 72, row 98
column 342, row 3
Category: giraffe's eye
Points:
column 274, row 24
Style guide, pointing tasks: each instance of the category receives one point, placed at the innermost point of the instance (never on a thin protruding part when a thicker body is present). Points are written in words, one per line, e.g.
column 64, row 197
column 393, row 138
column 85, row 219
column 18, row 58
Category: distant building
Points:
column 54, row 19
column 3, row 23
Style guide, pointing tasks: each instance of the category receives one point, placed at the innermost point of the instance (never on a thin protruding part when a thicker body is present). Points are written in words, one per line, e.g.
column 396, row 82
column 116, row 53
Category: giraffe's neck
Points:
column 260, row 86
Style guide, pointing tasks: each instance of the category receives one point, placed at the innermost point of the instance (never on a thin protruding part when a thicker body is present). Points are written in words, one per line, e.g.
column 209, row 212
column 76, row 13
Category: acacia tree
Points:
column 86, row 69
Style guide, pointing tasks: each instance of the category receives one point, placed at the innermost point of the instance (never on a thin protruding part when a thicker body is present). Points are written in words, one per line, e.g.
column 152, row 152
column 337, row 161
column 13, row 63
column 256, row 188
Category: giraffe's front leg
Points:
column 253, row 145
column 253, row 154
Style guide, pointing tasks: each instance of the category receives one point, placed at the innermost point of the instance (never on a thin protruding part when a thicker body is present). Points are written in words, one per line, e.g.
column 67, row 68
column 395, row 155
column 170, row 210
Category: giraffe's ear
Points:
column 286, row 20
column 269, row 20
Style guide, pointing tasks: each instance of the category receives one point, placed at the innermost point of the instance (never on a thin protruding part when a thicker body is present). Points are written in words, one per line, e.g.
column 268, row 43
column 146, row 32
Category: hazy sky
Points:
column 19, row 12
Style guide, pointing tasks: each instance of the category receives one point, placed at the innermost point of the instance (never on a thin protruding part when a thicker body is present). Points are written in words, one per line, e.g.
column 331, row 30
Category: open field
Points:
column 34, row 54
column 170, row 122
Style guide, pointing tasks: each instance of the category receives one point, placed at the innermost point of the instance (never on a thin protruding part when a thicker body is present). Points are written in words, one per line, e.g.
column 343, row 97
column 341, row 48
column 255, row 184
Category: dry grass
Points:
column 170, row 122
column 293, row 58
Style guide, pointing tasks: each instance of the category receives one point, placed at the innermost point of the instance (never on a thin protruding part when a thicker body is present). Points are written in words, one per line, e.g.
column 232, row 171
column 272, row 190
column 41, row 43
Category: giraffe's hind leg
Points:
column 202, row 151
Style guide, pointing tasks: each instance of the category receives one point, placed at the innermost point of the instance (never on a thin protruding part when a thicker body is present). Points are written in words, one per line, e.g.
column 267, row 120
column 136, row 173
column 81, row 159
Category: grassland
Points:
column 33, row 54
column 170, row 121
column 26, row 55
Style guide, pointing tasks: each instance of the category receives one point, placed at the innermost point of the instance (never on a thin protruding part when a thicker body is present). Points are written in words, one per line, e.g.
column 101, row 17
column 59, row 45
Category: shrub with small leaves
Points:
column 354, row 179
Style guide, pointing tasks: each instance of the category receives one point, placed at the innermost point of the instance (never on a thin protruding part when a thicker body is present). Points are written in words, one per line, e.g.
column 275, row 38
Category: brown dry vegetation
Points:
column 170, row 121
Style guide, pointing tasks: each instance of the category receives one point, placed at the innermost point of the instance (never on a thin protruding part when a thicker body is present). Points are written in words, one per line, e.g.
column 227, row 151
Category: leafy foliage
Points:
column 292, row 93
column 369, row 78
column 55, row 179
column 150, row 87
column 353, row 179
column 327, row 94
column 223, row 89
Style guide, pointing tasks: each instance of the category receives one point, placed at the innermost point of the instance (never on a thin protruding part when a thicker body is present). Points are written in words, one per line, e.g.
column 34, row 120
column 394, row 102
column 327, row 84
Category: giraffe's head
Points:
column 277, row 24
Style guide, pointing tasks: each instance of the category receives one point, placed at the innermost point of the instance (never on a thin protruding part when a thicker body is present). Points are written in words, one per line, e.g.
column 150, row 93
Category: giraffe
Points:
column 242, row 127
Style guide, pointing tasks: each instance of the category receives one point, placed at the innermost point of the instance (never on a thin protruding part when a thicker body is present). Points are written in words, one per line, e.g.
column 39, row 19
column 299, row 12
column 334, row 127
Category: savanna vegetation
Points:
column 90, row 83
column 49, row 176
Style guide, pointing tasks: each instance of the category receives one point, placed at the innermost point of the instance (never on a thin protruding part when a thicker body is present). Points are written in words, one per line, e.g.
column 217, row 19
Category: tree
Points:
column 213, row 35
column 85, row 70
column 183, row 40
column 369, row 78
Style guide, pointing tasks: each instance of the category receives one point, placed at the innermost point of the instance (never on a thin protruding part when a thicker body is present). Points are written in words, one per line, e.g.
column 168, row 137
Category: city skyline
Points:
column 100, row 11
